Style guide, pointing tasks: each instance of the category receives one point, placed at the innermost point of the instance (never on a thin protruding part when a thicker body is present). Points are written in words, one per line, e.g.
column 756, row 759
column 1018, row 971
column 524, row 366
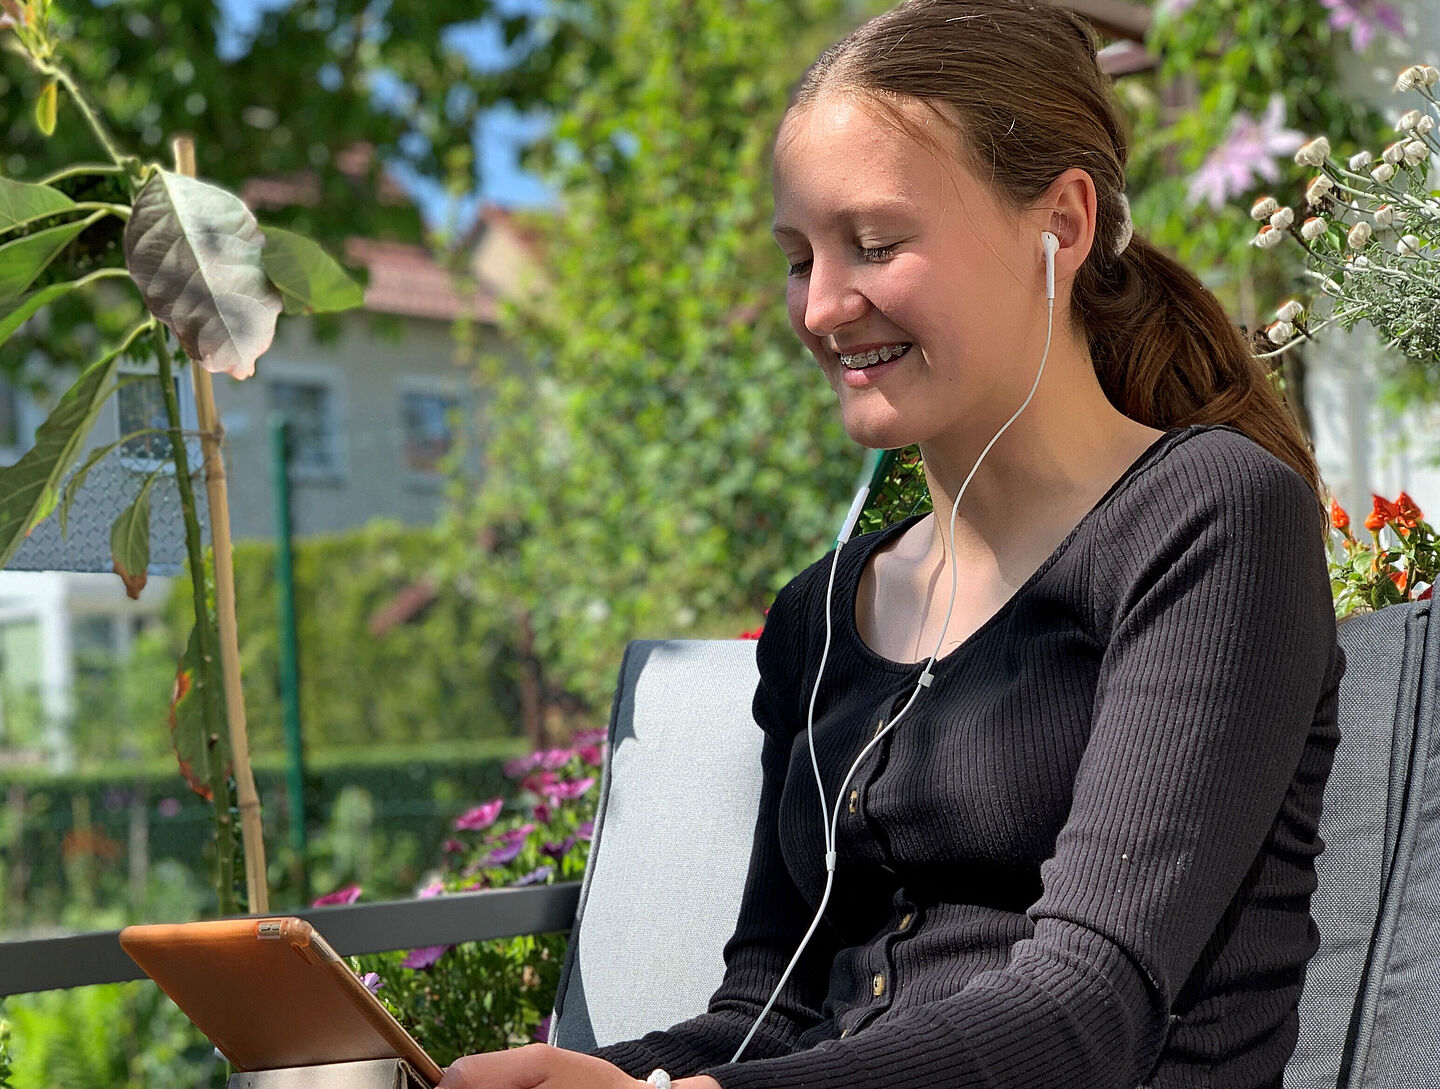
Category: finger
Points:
column 518, row 1068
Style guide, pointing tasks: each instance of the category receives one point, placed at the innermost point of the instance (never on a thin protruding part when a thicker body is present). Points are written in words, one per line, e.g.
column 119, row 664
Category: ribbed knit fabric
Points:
column 1084, row 858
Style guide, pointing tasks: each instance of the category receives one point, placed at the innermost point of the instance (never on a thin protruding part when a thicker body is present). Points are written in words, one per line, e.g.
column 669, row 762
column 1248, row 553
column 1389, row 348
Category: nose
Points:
column 832, row 299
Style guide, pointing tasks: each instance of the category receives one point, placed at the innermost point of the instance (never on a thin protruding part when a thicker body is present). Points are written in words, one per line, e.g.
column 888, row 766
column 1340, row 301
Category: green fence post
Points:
column 289, row 647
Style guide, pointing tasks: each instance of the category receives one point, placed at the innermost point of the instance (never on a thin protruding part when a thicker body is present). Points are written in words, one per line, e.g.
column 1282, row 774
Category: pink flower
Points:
column 538, row 782
column 586, row 831
column 348, row 895
column 1247, row 152
column 1363, row 18
column 514, row 835
column 372, row 981
column 554, row 759
column 453, row 847
column 514, row 769
column 430, row 891
column 482, row 816
column 569, row 791
column 425, row 956
column 542, row 812
column 591, row 737
column 542, row 1030
column 593, row 755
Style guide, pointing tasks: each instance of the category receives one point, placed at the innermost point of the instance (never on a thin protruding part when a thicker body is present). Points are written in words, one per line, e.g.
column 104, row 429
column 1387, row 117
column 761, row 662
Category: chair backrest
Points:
column 677, row 812
column 678, row 799
column 1370, row 1014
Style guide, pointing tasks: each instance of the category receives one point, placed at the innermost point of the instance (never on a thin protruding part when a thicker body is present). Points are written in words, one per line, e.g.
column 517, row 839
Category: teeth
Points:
column 862, row 360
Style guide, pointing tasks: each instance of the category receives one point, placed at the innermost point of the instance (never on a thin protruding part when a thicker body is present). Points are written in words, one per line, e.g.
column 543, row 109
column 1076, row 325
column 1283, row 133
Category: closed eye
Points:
column 873, row 254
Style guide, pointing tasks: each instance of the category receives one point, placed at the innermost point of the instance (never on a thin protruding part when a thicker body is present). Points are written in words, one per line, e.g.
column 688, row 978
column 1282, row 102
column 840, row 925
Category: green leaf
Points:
column 130, row 538
column 46, row 107
column 194, row 748
column 306, row 275
column 26, row 258
column 26, row 306
column 22, row 203
column 194, row 251
column 29, row 489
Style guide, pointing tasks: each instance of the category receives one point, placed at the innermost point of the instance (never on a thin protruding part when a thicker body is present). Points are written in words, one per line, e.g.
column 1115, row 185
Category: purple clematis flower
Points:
column 1247, row 152
column 557, row 851
column 372, row 981
column 586, row 831
column 504, row 855
column 425, row 956
column 348, row 895
column 1363, row 18
column 536, row 876
column 482, row 816
column 514, row 835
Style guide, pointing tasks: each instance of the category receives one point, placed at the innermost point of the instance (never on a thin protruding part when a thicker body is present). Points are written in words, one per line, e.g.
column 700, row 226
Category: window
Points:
column 310, row 409
column 429, row 429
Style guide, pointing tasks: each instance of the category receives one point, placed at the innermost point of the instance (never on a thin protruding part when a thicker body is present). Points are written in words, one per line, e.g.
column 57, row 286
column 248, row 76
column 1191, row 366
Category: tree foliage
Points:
column 674, row 456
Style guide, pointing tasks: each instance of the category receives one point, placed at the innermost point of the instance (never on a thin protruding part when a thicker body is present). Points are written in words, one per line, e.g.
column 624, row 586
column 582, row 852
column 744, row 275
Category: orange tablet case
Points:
column 271, row 993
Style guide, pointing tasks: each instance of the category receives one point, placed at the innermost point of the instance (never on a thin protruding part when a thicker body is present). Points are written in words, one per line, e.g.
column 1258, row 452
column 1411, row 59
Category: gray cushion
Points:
column 678, row 800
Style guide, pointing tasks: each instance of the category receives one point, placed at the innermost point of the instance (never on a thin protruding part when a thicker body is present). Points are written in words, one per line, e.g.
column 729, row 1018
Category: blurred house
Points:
column 377, row 411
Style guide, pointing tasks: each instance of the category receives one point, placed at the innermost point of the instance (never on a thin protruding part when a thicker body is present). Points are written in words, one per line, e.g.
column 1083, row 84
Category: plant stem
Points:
column 204, row 632
column 81, row 168
column 55, row 72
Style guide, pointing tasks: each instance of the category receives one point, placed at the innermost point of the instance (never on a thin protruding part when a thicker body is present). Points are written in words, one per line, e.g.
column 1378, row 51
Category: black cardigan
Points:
column 1084, row 858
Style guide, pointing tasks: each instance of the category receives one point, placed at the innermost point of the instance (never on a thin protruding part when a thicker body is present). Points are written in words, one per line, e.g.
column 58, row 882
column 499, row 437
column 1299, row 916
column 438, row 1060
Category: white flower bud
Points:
column 1313, row 228
column 1395, row 153
column 1408, row 120
column 1383, row 173
column 1268, row 238
column 1424, row 125
column 1385, row 215
column 1318, row 189
column 1314, row 153
column 1281, row 331
column 1361, row 261
column 1282, row 219
column 1331, row 287
column 1290, row 311
column 1264, row 208
column 1360, row 161
column 1416, row 152
column 1408, row 246
column 1410, row 78
column 1429, row 75
column 1359, row 235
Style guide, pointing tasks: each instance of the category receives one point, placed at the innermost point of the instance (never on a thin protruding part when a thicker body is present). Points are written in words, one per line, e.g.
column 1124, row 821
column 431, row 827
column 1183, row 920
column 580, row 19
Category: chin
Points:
column 878, row 434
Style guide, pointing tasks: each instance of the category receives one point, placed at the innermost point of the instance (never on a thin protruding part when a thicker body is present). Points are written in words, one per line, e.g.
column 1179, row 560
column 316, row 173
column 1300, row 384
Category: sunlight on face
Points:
column 889, row 246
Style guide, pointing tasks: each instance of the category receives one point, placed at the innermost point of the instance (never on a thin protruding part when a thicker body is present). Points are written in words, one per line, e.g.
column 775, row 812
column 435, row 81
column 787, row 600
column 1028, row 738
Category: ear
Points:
column 1068, row 210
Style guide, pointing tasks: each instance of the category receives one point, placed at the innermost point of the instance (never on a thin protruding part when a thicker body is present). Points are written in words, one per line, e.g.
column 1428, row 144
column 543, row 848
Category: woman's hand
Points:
column 535, row 1066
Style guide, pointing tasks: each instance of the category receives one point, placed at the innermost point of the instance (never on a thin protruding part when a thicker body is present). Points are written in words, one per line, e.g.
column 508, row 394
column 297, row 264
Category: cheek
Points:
column 796, row 294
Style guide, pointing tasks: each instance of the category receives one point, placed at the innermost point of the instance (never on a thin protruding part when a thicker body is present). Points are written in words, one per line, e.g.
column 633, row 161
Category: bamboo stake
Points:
column 256, row 893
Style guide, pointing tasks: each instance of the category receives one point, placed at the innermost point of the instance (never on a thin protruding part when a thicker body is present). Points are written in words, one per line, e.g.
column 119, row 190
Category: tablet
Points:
column 271, row 993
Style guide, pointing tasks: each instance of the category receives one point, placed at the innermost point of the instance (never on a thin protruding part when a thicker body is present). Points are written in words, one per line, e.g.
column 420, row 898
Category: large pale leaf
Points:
column 29, row 489
column 22, row 203
column 130, row 541
column 26, row 258
column 310, row 279
column 194, row 251
column 195, row 748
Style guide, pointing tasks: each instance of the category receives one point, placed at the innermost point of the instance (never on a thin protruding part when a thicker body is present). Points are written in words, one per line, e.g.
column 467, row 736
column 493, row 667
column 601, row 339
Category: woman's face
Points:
column 894, row 251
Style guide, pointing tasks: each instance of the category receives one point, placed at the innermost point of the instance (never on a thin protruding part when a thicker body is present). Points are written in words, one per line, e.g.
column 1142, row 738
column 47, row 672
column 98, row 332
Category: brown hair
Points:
column 1019, row 83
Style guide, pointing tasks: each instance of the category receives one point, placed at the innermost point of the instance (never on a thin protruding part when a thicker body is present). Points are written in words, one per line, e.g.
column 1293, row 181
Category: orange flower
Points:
column 1338, row 518
column 1399, row 578
column 1385, row 511
column 1407, row 511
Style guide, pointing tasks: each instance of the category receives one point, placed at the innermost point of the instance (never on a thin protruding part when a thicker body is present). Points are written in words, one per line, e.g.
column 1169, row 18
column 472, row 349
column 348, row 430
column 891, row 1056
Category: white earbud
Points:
column 1051, row 244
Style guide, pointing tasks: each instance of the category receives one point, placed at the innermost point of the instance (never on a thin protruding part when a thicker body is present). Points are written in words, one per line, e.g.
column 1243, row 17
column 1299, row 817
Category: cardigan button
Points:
column 905, row 922
column 878, row 984
column 855, row 800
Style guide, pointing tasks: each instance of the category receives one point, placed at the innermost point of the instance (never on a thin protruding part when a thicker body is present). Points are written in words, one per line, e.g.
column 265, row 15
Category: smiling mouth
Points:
column 860, row 360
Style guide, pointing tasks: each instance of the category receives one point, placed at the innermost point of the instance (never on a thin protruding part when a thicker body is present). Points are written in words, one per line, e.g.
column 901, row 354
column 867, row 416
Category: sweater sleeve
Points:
column 1221, row 639
column 773, row 915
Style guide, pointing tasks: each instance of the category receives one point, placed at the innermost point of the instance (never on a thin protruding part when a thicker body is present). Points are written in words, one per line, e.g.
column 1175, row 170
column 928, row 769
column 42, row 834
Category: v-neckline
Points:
column 852, row 583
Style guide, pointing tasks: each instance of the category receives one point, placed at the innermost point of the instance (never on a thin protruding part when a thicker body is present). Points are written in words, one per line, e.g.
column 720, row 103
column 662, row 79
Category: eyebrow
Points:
column 849, row 215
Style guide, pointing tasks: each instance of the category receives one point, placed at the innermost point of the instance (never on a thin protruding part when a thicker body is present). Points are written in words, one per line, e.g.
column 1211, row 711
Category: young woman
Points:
column 1076, row 851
